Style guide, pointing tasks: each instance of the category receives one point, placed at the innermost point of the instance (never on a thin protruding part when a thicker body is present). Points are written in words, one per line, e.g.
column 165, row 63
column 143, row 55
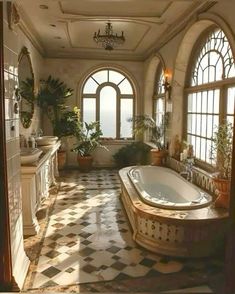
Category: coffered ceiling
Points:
column 66, row 28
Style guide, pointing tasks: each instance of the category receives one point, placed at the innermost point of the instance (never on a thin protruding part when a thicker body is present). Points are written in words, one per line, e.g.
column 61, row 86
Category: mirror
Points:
column 26, row 86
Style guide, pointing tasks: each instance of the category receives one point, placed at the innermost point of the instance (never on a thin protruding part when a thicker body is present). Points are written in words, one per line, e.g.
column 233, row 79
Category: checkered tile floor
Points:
column 88, row 237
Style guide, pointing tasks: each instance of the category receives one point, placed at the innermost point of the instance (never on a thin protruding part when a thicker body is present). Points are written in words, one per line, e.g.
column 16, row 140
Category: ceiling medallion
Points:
column 109, row 40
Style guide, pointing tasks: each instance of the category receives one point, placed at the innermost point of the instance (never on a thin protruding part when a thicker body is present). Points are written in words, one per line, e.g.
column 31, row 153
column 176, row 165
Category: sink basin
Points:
column 46, row 140
column 29, row 156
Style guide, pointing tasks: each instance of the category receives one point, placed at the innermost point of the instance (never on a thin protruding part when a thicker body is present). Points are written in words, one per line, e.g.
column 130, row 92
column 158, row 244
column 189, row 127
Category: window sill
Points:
column 116, row 141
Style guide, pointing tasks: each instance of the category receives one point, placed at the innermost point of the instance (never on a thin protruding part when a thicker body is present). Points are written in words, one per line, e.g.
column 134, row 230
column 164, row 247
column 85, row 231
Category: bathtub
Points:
column 169, row 215
column 164, row 188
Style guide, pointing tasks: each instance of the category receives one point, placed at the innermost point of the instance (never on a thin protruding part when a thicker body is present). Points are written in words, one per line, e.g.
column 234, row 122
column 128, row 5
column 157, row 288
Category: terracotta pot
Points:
column 223, row 191
column 85, row 163
column 158, row 157
column 61, row 159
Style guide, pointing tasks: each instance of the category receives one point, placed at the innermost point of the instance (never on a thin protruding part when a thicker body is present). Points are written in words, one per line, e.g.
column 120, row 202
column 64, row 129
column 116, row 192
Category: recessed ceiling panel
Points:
column 116, row 8
column 81, row 33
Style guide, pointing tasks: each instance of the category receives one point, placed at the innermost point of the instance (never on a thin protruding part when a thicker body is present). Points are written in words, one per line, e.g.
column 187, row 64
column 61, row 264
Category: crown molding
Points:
column 27, row 28
column 94, row 56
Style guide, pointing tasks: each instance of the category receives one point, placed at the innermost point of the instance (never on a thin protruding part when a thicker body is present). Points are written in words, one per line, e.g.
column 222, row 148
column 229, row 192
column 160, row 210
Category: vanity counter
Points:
column 36, row 179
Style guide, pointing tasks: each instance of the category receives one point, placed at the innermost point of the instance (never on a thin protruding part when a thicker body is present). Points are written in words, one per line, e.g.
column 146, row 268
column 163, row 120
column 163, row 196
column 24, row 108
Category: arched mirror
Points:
column 26, row 85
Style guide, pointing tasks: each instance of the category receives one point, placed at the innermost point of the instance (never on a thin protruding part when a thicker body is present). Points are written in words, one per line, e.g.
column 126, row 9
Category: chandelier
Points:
column 109, row 40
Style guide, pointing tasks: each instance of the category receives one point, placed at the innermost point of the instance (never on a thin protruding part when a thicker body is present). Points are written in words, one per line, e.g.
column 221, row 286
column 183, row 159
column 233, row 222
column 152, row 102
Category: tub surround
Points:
column 36, row 180
column 183, row 233
column 200, row 177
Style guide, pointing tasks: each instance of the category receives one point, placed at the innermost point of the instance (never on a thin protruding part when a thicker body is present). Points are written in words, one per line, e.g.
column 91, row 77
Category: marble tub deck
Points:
column 85, row 244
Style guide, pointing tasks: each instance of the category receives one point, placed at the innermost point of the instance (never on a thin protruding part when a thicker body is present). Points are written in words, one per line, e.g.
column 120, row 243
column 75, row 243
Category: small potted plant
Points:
column 143, row 123
column 87, row 135
column 221, row 153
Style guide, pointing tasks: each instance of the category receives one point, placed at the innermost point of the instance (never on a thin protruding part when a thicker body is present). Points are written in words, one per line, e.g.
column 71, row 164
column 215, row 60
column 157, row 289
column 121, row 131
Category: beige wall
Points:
column 73, row 72
column 14, row 40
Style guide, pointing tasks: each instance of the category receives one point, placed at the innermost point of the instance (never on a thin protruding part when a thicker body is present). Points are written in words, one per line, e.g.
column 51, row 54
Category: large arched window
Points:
column 108, row 97
column 211, row 92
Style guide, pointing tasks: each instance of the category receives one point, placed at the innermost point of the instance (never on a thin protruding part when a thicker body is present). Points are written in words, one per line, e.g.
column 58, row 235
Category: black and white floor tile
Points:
column 88, row 238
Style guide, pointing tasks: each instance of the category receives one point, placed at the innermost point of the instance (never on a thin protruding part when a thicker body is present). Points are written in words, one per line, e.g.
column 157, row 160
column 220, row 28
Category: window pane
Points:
column 230, row 119
column 115, row 77
column 108, row 106
column 216, row 101
column 194, row 102
column 198, row 151
column 209, row 126
column 190, row 108
column 199, row 102
column 208, row 152
column 204, row 125
column 90, row 87
column 198, row 126
column 101, row 76
column 160, row 111
column 203, row 149
column 193, row 123
column 126, row 113
column 125, row 87
column 89, row 113
column 161, row 82
column 230, row 103
column 210, row 101
column 189, row 123
column 204, row 102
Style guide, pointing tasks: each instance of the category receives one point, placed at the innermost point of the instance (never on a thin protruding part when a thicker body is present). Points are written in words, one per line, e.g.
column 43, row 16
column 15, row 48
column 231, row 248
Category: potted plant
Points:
column 132, row 154
column 143, row 123
column 221, row 153
column 87, row 135
column 52, row 96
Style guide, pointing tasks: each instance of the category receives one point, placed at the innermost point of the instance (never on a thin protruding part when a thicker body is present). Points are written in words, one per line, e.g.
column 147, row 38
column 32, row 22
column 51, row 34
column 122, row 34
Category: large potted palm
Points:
column 221, row 153
column 87, row 135
column 52, row 96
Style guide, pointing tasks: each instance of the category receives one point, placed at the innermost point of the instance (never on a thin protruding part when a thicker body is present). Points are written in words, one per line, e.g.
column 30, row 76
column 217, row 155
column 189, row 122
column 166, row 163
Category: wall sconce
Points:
column 166, row 84
column 167, row 88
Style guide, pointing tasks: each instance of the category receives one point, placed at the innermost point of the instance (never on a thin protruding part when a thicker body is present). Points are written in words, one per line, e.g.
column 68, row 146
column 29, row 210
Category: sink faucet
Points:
column 188, row 172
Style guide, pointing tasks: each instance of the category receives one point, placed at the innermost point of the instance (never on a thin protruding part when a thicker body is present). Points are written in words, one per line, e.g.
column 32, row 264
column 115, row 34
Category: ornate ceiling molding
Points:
column 27, row 28
column 111, row 14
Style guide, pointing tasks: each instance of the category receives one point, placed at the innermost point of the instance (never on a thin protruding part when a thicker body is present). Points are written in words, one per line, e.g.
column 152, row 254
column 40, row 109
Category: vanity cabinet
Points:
column 36, row 181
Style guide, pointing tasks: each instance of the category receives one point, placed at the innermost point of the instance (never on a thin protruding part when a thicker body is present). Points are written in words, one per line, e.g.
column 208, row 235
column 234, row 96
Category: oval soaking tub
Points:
column 188, row 226
column 164, row 188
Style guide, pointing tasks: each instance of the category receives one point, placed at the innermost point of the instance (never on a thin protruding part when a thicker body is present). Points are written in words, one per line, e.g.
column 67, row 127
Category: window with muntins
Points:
column 108, row 97
column 211, row 94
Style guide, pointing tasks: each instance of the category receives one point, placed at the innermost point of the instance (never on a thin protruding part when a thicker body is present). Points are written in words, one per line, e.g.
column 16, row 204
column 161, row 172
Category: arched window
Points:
column 211, row 92
column 159, row 99
column 108, row 97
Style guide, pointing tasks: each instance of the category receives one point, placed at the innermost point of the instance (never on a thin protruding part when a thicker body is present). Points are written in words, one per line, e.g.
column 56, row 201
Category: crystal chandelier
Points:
column 109, row 40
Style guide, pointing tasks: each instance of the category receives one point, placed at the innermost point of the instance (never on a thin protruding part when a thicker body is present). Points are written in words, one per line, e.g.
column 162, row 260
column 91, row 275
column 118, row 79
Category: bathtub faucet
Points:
column 188, row 172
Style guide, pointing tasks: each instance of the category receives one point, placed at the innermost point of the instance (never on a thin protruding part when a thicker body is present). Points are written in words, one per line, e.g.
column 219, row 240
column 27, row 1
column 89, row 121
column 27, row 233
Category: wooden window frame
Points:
column 119, row 98
column 222, row 85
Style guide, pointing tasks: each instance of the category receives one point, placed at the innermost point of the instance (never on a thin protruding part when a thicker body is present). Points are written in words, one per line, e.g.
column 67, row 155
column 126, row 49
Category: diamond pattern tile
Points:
column 88, row 238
